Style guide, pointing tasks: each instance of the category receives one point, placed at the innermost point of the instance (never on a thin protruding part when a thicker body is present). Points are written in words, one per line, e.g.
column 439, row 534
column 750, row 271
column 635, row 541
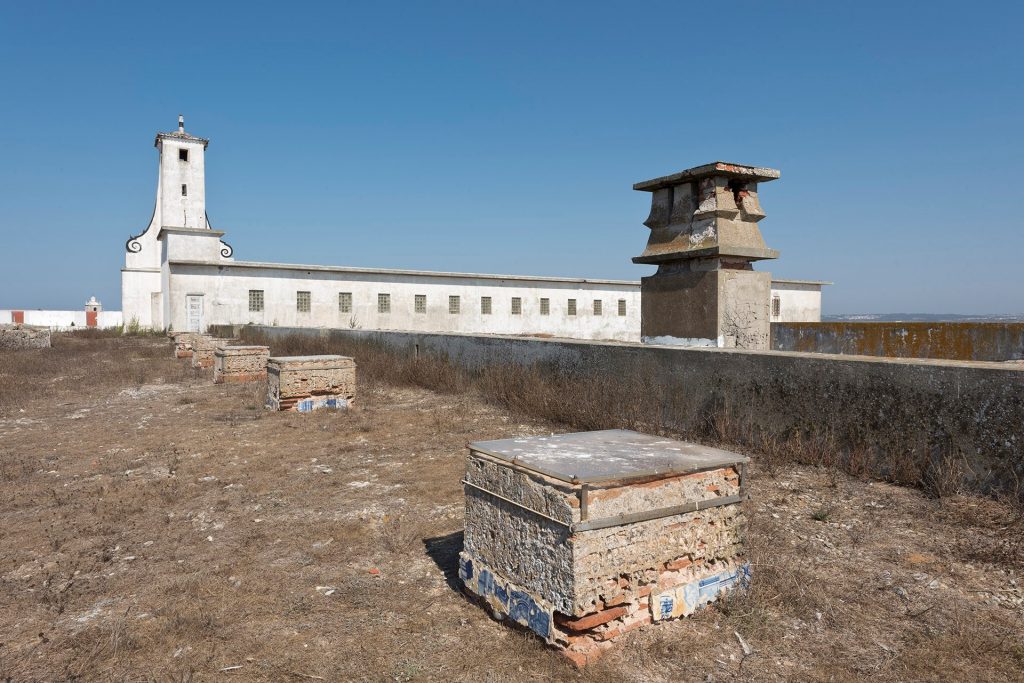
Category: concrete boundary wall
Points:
column 924, row 409
column 949, row 340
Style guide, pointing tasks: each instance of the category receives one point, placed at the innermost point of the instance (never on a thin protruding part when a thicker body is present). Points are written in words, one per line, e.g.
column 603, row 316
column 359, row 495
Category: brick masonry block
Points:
column 640, row 541
column 240, row 363
column 306, row 383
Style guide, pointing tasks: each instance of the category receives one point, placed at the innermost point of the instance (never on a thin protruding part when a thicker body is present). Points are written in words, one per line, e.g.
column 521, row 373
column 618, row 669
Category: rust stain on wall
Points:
column 951, row 341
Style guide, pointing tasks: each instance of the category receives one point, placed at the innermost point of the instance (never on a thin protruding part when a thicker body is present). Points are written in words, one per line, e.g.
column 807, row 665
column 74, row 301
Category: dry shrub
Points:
column 81, row 364
column 632, row 398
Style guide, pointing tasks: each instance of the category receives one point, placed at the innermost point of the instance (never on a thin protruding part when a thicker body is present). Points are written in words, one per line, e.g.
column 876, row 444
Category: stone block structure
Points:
column 704, row 238
column 240, row 363
column 24, row 337
column 583, row 537
column 306, row 383
column 184, row 342
column 203, row 347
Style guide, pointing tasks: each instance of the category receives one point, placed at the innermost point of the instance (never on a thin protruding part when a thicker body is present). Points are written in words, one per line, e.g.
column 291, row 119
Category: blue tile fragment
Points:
column 465, row 569
column 666, row 604
column 524, row 610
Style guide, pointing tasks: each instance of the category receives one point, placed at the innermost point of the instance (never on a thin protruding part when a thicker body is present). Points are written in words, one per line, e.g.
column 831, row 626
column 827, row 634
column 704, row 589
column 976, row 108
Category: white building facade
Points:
column 180, row 274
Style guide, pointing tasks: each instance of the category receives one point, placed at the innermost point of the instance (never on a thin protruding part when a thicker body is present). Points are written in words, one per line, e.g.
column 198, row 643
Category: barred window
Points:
column 485, row 305
column 255, row 300
column 622, row 307
column 776, row 306
column 345, row 302
column 383, row 303
column 453, row 304
column 421, row 303
column 302, row 301
column 517, row 305
column 545, row 306
column 571, row 307
column 598, row 306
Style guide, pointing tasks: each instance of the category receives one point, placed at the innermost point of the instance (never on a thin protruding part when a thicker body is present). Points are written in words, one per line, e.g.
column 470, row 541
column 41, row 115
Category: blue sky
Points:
column 505, row 137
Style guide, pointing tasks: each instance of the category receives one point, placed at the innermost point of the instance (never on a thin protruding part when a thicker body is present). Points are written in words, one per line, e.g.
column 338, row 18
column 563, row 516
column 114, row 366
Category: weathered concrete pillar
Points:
column 704, row 238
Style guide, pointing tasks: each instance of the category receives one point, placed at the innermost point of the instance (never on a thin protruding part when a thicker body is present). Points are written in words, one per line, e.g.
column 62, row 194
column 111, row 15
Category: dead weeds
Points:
column 154, row 530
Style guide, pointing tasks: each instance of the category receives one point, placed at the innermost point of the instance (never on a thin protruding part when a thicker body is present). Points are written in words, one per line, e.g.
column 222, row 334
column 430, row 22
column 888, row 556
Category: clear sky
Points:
column 505, row 137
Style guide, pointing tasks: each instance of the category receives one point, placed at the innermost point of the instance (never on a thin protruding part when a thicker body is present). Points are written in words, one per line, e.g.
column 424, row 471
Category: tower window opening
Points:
column 184, row 190
column 182, row 154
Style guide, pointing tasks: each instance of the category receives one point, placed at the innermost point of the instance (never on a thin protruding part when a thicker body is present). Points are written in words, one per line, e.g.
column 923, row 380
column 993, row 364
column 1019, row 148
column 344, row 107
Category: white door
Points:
column 194, row 312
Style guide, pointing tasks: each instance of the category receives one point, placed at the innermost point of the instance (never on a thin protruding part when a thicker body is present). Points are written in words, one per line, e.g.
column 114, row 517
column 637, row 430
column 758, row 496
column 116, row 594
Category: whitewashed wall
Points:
column 225, row 289
column 62, row 320
column 799, row 301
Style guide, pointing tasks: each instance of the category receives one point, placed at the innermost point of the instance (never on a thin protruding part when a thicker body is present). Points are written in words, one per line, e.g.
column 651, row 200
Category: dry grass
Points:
column 154, row 530
column 628, row 400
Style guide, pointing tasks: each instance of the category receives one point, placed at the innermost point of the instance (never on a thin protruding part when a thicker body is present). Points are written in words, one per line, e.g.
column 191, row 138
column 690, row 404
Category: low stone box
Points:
column 305, row 383
column 583, row 537
column 240, row 363
column 184, row 343
column 203, row 348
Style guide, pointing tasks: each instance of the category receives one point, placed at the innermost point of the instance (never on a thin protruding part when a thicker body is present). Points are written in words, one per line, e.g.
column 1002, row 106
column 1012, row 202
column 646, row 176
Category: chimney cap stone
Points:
column 717, row 168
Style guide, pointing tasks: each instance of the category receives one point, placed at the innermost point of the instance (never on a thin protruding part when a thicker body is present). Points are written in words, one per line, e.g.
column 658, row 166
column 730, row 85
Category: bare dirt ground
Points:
column 154, row 526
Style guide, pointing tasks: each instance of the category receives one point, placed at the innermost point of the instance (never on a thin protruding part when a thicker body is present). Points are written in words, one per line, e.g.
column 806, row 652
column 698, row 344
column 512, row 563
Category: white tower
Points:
column 180, row 204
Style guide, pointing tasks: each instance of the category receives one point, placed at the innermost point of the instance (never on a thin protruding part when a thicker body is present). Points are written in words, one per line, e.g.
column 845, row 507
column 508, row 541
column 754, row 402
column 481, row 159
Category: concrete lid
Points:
column 327, row 361
column 613, row 454
column 241, row 350
column 717, row 168
column 789, row 281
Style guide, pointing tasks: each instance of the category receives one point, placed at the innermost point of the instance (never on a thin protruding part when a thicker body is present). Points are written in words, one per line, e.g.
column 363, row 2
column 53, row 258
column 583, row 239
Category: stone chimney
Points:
column 704, row 240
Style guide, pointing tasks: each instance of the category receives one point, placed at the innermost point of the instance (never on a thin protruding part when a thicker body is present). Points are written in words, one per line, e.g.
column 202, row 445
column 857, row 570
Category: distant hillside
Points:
column 923, row 318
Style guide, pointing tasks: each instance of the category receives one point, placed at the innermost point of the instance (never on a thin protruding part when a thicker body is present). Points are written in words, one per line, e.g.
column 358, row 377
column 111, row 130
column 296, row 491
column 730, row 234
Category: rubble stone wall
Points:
column 203, row 347
column 24, row 337
column 184, row 343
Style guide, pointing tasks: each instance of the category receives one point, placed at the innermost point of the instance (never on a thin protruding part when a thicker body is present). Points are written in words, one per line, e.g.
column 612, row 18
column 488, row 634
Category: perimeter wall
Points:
column 953, row 341
column 908, row 420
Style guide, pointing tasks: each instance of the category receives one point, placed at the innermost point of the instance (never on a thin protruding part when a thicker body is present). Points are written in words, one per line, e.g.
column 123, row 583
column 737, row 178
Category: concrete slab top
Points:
column 613, row 454
column 717, row 168
column 241, row 350
column 300, row 363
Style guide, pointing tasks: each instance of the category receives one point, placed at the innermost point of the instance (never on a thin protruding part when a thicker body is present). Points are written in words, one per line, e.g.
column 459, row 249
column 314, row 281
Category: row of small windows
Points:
column 304, row 300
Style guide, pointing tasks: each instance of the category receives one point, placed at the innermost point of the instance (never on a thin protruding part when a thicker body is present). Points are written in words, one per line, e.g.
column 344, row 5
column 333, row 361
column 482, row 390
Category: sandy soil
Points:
column 158, row 527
